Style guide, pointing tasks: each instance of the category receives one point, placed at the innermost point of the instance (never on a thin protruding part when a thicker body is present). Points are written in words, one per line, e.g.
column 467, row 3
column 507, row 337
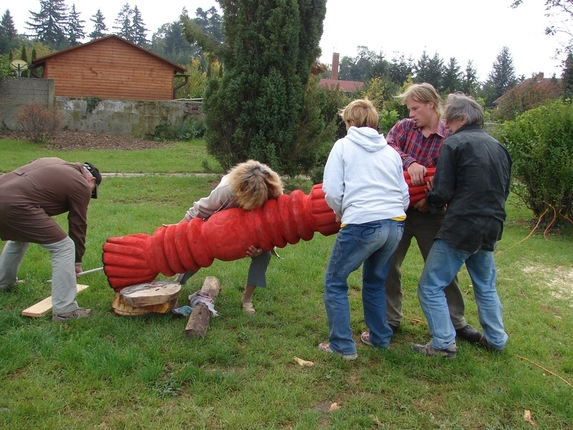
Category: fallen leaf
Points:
column 376, row 420
column 302, row 362
column 334, row 407
column 528, row 418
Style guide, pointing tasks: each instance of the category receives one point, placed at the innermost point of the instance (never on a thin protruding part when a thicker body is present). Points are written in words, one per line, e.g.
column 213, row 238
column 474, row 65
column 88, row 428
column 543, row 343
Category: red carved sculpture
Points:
column 418, row 192
column 226, row 236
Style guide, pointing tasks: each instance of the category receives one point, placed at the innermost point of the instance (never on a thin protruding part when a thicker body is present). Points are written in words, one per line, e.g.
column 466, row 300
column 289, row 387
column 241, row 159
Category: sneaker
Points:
column 429, row 351
column 325, row 347
column 394, row 328
column 78, row 313
column 469, row 334
column 486, row 345
column 365, row 338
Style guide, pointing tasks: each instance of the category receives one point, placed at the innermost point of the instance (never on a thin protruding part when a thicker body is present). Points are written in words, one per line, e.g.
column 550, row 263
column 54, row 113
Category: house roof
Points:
column 346, row 86
column 41, row 60
column 548, row 85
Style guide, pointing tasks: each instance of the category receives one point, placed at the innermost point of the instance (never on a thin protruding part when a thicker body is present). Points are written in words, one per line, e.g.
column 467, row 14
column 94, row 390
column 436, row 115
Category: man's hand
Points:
column 78, row 269
column 253, row 251
column 417, row 173
column 421, row 205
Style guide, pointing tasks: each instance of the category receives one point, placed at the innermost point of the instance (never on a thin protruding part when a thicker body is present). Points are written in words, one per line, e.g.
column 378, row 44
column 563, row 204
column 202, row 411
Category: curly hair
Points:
column 253, row 183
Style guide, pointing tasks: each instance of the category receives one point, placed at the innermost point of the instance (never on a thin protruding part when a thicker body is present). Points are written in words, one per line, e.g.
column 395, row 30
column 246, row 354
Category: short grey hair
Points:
column 459, row 105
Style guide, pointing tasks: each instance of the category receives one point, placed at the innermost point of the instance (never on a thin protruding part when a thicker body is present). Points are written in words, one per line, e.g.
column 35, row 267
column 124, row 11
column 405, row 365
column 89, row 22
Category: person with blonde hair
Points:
column 247, row 186
column 418, row 140
column 365, row 187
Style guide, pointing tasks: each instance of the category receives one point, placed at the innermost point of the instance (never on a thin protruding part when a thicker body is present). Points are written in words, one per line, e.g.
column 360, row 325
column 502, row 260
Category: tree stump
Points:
column 201, row 316
column 150, row 293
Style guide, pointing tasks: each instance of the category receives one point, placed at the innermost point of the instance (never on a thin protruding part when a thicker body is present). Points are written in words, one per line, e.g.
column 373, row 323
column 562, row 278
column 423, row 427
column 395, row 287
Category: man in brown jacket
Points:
column 29, row 197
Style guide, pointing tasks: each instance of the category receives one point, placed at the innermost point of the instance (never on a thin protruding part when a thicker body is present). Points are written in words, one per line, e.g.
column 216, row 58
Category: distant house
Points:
column 110, row 67
column 529, row 94
column 335, row 83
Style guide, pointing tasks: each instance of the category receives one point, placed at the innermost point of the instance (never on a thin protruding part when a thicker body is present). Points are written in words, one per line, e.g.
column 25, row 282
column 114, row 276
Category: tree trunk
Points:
column 201, row 316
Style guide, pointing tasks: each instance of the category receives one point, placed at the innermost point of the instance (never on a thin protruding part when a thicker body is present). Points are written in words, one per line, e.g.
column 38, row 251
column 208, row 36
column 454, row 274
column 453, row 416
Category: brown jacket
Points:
column 32, row 194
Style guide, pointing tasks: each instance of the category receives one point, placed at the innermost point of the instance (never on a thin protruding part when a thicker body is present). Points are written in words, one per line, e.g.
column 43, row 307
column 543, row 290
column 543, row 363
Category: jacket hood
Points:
column 367, row 138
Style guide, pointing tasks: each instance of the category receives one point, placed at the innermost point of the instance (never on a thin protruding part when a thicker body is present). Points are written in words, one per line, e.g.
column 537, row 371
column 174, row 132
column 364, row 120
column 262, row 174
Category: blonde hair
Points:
column 253, row 183
column 422, row 93
column 362, row 113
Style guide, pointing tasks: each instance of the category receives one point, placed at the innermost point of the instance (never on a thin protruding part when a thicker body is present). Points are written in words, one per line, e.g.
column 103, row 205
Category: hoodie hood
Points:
column 367, row 138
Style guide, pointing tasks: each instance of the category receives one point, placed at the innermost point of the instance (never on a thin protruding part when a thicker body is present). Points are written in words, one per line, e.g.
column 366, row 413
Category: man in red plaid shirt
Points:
column 418, row 140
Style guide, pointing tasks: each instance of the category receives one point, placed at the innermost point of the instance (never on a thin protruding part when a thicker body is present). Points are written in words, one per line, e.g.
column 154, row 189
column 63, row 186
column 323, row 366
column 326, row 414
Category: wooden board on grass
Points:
column 42, row 308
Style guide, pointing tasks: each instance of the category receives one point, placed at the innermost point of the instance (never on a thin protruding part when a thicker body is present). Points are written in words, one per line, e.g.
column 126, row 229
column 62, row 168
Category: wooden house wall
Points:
column 110, row 69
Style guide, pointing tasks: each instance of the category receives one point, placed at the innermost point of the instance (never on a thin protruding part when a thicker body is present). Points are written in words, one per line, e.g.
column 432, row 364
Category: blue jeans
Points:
column 442, row 264
column 373, row 244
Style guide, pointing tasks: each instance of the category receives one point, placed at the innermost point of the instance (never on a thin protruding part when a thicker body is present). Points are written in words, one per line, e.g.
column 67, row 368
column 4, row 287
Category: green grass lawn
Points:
column 117, row 372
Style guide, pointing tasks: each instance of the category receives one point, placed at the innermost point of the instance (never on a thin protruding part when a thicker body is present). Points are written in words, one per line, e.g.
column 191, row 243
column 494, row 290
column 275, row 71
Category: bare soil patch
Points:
column 66, row 140
column 558, row 279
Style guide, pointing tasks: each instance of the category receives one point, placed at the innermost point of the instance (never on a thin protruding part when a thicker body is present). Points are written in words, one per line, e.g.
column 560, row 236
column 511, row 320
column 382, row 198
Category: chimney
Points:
column 334, row 73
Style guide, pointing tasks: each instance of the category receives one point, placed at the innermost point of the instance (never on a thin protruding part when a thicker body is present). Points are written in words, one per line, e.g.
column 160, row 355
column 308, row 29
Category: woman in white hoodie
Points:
column 365, row 187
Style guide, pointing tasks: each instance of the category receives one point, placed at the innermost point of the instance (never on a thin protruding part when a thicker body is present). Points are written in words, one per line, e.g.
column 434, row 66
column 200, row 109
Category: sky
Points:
column 475, row 30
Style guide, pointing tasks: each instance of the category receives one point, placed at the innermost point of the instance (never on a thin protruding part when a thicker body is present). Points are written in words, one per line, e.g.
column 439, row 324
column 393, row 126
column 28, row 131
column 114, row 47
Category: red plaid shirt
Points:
column 407, row 138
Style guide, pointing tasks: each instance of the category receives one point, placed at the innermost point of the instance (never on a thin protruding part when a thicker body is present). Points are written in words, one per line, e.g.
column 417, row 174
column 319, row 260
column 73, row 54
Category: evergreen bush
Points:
column 262, row 107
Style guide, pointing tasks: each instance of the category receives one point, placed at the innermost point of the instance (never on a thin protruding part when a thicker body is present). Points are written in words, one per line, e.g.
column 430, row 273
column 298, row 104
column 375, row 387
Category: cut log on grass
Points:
column 201, row 316
column 42, row 308
column 151, row 293
column 120, row 307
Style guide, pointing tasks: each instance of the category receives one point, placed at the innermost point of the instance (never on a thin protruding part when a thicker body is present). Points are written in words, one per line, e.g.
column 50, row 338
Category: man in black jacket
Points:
column 472, row 179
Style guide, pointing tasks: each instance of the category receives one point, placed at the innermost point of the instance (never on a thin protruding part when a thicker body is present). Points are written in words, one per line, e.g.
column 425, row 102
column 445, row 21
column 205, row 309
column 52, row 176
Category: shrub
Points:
column 39, row 122
column 540, row 143
column 184, row 131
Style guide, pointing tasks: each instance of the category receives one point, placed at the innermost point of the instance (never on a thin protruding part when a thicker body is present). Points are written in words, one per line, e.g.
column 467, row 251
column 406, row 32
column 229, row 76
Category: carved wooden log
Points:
column 201, row 316
column 418, row 192
column 151, row 293
column 226, row 236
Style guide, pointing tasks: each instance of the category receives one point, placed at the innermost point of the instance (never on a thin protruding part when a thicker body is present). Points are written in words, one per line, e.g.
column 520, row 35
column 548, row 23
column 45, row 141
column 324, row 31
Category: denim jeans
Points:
column 423, row 226
column 371, row 244
column 442, row 264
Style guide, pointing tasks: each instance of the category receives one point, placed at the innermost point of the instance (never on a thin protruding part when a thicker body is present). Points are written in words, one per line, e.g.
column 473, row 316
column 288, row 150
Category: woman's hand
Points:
column 253, row 251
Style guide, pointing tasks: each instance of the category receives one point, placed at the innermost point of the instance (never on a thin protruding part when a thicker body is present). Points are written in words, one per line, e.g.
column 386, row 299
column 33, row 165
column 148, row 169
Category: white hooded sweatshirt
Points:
column 363, row 178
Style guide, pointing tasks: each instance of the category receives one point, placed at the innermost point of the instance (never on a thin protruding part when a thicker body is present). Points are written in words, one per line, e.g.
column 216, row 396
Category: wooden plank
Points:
column 200, row 316
column 42, row 308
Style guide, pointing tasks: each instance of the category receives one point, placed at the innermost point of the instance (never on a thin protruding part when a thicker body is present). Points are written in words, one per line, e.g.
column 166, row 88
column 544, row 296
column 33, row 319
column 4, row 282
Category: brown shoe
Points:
column 78, row 313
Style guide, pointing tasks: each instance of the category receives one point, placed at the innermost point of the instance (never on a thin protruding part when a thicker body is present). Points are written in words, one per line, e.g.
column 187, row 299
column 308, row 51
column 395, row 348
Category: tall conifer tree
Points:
column 259, row 107
column 50, row 24
column 75, row 28
column 100, row 28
